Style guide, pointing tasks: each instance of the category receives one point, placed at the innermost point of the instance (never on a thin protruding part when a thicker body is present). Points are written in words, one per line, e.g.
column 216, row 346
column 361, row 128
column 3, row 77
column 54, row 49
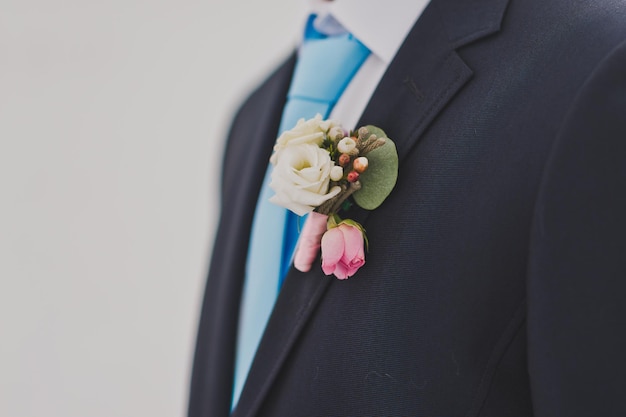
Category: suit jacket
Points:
column 496, row 270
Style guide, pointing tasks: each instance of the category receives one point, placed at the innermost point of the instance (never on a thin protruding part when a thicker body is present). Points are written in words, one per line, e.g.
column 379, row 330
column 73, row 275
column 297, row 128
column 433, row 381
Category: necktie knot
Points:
column 325, row 66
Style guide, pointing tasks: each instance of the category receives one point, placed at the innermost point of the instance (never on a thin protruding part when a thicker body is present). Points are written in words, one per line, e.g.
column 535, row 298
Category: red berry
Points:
column 344, row 159
column 353, row 176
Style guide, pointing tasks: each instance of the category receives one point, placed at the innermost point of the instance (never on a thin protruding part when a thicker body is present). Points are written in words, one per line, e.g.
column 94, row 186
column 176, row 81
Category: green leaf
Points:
column 352, row 223
column 381, row 176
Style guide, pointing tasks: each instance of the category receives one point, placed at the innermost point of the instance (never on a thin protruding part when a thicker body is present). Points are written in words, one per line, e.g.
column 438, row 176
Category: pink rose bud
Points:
column 309, row 241
column 342, row 251
column 344, row 159
column 353, row 176
column 360, row 164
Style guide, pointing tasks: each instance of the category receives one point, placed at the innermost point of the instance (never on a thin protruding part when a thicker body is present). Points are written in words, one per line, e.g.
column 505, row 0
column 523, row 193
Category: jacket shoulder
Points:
column 257, row 117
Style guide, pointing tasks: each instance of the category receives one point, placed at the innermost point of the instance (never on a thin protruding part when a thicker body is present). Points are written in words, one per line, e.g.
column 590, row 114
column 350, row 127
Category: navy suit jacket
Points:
column 496, row 273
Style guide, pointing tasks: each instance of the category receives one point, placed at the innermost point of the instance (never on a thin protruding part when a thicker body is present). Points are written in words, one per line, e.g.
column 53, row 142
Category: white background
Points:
column 112, row 118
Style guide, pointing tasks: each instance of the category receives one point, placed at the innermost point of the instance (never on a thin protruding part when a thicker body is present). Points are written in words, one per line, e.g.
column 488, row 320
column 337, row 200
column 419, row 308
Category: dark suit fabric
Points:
column 496, row 270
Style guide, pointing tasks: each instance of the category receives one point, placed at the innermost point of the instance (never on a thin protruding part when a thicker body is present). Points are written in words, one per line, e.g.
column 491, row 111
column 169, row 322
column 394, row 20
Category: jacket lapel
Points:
column 424, row 76
column 427, row 72
column 253, row 134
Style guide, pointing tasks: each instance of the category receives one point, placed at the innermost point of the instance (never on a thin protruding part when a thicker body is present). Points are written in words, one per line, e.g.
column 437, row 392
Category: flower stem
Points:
column 353, row 187
column 328, row 205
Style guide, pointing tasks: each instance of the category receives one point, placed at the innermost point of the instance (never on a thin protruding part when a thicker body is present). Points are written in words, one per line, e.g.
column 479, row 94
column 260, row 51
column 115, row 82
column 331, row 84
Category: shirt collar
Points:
column 382, row 26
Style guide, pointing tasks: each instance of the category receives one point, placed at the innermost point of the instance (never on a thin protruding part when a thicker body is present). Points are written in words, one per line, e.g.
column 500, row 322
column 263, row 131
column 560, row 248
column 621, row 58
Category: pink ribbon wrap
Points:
column 310, row 241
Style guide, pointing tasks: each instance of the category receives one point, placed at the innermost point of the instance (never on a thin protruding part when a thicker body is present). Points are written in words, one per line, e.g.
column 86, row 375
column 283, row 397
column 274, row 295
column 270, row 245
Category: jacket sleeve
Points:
column 577, row 269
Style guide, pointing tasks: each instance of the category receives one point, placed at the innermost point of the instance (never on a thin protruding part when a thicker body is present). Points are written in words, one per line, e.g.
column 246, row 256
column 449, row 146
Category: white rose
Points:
column 301, row 178
column 306, row 131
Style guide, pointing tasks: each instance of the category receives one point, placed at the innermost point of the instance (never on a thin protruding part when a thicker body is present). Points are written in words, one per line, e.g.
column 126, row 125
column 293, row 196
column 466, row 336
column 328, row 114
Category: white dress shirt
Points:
column 380, row 25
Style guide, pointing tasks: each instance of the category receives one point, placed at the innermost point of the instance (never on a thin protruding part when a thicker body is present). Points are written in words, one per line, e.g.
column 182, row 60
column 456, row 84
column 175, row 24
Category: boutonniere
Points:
column 317, row 166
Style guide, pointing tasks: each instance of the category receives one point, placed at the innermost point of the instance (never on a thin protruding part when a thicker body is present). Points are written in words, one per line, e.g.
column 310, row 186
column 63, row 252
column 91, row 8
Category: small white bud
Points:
column 346, row 145
column 360, row 164
column 336, row 133
column 336, row 173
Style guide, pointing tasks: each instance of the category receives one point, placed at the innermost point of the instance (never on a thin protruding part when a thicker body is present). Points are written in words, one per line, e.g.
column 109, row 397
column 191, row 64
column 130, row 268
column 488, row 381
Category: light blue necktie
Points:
column 325, row 66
